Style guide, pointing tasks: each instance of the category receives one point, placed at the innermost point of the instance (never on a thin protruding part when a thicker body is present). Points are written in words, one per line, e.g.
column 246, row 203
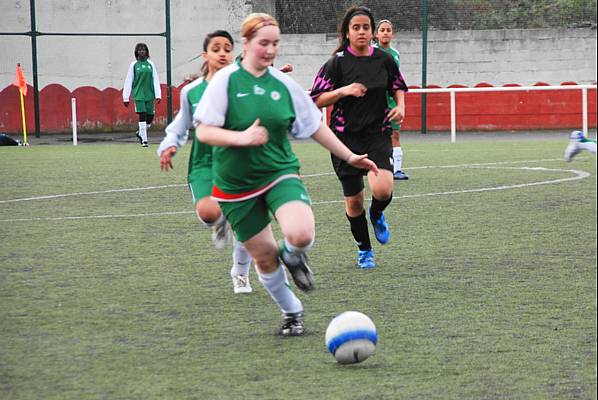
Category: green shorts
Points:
column 200, row 187
column 250, row 217
column 142, row 106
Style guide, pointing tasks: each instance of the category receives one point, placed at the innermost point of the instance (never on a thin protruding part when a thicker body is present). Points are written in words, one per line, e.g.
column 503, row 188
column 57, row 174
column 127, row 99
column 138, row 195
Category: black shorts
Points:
column 378, row 148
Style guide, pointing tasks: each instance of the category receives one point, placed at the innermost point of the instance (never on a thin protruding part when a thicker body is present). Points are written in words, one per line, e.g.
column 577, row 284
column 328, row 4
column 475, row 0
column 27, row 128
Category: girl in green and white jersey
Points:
column 217, row 52
column 383, row 38
column 246, row 113
column 142, row 81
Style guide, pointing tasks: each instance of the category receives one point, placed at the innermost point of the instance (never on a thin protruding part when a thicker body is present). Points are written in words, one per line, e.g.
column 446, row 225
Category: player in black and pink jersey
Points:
column 357, row 80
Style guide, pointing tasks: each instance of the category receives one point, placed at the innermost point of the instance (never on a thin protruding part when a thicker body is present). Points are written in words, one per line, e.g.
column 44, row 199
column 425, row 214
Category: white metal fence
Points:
column 454, row 91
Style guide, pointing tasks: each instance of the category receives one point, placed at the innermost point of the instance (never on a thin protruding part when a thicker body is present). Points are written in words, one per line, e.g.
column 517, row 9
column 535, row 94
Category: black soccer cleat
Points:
column 139, row 137
column 292, row 324
column 297, row 266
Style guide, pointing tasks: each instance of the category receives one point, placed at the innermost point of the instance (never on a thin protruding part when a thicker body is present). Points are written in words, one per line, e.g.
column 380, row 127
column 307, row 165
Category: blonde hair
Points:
column 254, row 22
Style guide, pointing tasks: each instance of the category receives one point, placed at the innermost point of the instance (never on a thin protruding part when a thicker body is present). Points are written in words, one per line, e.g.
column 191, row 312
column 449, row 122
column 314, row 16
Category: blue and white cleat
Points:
column 365, row 259
column 380, row 228
column 400, row 176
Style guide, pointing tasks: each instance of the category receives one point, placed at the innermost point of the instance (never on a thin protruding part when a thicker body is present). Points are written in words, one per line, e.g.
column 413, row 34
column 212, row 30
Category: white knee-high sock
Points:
column 143, row 130
column 241, row 259
column 277, row 285
column 397, row 155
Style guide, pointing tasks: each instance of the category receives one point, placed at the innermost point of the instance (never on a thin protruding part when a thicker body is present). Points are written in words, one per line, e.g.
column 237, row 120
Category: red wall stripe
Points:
column 103, row 110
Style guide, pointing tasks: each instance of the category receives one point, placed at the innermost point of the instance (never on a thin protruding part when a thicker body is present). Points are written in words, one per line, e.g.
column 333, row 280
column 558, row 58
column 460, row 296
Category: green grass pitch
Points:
column 110, row 288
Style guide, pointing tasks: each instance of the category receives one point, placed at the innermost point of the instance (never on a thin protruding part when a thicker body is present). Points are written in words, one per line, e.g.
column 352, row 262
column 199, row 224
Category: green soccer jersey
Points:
column 142, row 82
column 200, row 159
column 393, row 52
column 397, row 57
column 233, row 100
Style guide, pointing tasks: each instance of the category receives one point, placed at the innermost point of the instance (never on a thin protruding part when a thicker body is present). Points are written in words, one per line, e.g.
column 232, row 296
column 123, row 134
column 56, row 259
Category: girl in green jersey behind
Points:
column 217, row 53
column 383, row 39
column 142, row 81
column 246, row 113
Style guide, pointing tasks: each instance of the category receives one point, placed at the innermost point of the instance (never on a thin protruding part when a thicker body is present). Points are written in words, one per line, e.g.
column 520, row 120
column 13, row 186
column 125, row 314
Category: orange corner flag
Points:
column 20, row 81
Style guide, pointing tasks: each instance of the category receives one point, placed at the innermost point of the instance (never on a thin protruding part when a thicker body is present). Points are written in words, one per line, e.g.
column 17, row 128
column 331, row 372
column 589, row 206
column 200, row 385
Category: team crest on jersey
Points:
column 275, row 95
column 258, row 90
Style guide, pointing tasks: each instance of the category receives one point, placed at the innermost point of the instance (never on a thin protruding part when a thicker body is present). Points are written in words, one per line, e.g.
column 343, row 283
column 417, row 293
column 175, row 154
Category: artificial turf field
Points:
column 110, row 288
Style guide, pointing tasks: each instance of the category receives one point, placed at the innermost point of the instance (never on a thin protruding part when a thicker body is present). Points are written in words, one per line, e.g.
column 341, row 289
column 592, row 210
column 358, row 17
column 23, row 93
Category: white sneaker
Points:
column 241, row 284
column 221, row 234
column 572, row 149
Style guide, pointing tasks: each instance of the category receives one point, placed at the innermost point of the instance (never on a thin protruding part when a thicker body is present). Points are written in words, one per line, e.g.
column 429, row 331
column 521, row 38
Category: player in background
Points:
column 383, row 39
column 217, row 53
column 142, row 81
column 357, row 80
column 246, row 113
column 577, row 143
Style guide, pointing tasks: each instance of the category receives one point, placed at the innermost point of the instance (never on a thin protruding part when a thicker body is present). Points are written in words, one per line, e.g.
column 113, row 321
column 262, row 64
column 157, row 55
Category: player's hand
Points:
column 126, row 103
column 255, row 135
column 355, row 89
column 363, row 162
column 286, row 68
column 397, row 114
column 166, row 158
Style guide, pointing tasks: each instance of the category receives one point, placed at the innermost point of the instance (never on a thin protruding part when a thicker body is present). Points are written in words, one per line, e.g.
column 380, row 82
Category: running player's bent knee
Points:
column 207, row 211
column 301, row 238
column 355, row 206
column 207, row 217
column 267, row 261
column 300, row 241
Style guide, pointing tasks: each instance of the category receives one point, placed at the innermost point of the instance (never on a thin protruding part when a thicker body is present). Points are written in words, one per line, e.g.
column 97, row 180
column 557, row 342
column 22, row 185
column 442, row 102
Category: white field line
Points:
column 578, row 175
column 154, row 214
column 57, row 196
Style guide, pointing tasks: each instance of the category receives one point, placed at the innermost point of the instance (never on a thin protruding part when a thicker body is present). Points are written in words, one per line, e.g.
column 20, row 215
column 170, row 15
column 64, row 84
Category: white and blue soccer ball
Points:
column 351, row 337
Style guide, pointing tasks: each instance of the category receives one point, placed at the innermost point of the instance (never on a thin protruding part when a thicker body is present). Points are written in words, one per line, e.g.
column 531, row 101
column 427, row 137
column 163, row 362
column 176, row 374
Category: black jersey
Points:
column 366, row 115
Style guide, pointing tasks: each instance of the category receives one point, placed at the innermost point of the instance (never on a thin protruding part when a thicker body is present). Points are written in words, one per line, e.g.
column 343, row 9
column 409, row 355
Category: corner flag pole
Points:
column 23, row 115
column 22, row 85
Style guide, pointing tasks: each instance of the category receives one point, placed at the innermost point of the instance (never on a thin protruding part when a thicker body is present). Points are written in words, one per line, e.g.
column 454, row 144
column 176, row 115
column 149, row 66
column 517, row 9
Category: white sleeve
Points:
column 214, row 104
column 129, row 82
column 177, row 131
column 157, row 89
column 307, row 115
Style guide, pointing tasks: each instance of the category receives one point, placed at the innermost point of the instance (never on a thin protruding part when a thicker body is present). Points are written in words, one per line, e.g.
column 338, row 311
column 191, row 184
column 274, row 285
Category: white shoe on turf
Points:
column 241, row 284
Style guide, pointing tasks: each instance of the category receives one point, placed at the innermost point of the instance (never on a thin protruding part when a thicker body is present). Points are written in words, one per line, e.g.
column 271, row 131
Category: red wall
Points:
column 103, row 110
column 97, row 110
column 513, row 110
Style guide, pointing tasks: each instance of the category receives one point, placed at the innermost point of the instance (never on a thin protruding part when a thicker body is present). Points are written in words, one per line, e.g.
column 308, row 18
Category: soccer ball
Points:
column 351, row 337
